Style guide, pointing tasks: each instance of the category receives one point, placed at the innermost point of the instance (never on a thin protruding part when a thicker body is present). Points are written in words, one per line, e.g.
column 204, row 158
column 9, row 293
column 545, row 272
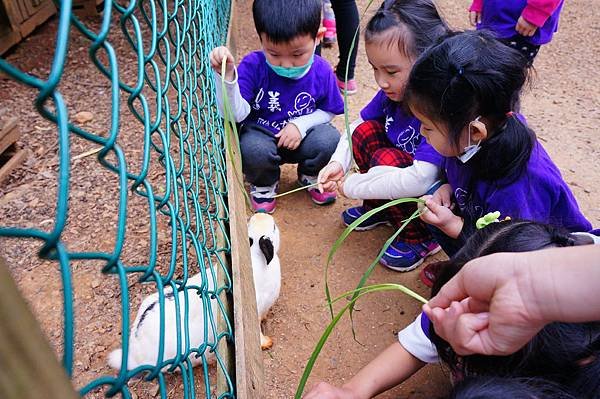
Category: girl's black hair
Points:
column 562, row 352
column 513, row 388
column 412, row 25
column 283, row 20
column 471, row 74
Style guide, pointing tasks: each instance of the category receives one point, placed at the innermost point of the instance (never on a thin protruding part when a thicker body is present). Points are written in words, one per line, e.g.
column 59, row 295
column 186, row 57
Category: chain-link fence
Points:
column 160, row 145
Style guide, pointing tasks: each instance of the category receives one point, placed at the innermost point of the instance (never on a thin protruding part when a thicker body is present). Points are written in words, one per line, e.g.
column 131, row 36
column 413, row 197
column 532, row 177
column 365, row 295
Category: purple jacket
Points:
column 501, row 16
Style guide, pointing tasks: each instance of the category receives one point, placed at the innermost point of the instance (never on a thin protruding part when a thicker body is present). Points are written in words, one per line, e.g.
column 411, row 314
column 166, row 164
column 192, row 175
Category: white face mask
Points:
column 471, row 149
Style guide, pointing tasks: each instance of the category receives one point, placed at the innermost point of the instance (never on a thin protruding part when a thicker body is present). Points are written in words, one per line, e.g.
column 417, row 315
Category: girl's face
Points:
column 391, row 67
column 438, row 136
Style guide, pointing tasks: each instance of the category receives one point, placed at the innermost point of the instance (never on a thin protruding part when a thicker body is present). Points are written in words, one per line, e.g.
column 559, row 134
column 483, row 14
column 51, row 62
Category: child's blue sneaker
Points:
column 350, row 215
column 403, row 257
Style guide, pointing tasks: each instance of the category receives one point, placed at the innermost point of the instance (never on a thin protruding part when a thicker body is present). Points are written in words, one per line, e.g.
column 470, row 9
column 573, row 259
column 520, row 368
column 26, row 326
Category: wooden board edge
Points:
column 248, row 355
column 32, row 368
column 13, row 163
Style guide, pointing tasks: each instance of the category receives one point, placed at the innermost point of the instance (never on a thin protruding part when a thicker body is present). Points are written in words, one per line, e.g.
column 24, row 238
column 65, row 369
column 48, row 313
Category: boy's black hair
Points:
column 283, row 20
column 565, row 353
column 412, row 25
column 471, row 74
column 513, row 388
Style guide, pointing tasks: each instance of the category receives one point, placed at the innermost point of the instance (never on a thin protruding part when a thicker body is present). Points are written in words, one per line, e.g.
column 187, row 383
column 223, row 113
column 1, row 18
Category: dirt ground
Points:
column 563, row 107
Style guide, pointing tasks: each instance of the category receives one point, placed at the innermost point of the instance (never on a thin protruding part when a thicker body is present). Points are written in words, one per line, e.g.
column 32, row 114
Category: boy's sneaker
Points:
column 403, row 257
column 350, row 87
column 350, row 215
column 263, row 198
column 319, row 198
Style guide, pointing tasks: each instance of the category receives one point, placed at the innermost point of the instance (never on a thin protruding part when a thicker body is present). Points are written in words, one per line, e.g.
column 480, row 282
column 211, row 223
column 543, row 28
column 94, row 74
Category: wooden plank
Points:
column 249, row 367
column 16, row 158
column 23, row 9
column 248, row 355
column 29, row 369
column 43, row 13
column 13, row 13
column 9, row 134
column 8, row 38
column 226, row 349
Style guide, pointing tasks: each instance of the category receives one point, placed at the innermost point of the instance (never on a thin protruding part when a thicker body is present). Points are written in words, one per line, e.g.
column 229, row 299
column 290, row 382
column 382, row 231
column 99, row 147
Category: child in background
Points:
column 463, row 91
column 329, row 24
column 521, row 24
column 565, row 354
column 394, row 159
column 285, row 97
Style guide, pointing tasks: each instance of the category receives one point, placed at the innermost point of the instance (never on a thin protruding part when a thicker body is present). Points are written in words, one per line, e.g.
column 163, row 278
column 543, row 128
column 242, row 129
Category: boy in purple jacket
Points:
column 521, row 24
column 284, row 96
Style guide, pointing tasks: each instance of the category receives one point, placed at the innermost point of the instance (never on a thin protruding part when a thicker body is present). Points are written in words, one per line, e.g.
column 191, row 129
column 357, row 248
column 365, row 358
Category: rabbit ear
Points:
column 266, row 246
column 251, row 241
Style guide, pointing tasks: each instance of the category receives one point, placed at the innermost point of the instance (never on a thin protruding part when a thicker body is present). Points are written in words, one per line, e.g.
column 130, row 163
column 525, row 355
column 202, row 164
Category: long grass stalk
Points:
column 329, row 329
column 338, row 243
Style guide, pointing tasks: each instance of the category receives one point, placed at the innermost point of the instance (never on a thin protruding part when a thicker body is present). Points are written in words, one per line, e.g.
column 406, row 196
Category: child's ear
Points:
column 478, row 131
column 320, row 34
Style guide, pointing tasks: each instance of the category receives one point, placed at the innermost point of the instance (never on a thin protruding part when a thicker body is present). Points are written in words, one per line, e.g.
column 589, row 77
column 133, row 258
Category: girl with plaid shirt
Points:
column 394, row 159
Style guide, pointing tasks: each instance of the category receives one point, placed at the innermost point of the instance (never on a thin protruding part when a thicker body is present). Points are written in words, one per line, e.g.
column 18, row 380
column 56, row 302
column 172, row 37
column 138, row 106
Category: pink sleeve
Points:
column 538, row 11
column 476, row 6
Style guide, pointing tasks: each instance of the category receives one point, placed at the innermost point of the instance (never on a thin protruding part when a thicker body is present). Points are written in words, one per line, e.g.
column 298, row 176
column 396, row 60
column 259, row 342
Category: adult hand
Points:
column 329, row 176
column 289, row 137
column 216, row 60
column 525, row 28
column 474, row 18
column 487, row 307
column 324, row 390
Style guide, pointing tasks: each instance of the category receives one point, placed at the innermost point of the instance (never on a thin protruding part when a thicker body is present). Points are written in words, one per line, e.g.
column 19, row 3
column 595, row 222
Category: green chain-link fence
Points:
column 160, row 94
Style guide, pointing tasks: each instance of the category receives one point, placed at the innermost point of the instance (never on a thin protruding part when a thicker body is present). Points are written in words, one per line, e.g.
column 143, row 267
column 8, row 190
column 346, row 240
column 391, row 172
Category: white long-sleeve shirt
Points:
column 384, row 182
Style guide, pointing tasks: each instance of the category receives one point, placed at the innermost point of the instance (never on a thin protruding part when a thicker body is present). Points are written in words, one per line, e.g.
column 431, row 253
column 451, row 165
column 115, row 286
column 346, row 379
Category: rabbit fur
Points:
column 145, row 331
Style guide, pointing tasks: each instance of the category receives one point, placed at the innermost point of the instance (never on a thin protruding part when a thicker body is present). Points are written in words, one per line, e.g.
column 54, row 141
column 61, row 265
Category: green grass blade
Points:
column 370, row 269
column 329, row 329
column 351, row 228
column 346, row 115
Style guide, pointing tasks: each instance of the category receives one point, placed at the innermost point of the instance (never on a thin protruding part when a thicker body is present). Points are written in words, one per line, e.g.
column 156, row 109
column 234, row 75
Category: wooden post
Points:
column 28, row 366
column 249, row 368
column 226, row 349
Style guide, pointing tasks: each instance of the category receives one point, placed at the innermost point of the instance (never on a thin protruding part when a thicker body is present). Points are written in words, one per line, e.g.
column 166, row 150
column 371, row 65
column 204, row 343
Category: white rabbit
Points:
column 264, row 245
column 145, row 331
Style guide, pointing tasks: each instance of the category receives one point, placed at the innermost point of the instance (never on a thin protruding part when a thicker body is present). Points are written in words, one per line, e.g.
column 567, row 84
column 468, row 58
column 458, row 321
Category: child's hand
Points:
column 525, row 28
column 441, row 217
column 289, row 137
column 474, row 18
column 216, row 60
column 329, row 176
column 324, row 390
column 443, row 196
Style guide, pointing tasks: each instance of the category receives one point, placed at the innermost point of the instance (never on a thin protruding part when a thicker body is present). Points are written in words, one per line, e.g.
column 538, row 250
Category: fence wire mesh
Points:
column 163, row 144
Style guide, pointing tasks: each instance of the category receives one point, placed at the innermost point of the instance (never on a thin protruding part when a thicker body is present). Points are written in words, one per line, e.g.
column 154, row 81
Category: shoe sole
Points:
column 349, row 92
column 367, row 228
column 414, row 265
column 326, row 202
